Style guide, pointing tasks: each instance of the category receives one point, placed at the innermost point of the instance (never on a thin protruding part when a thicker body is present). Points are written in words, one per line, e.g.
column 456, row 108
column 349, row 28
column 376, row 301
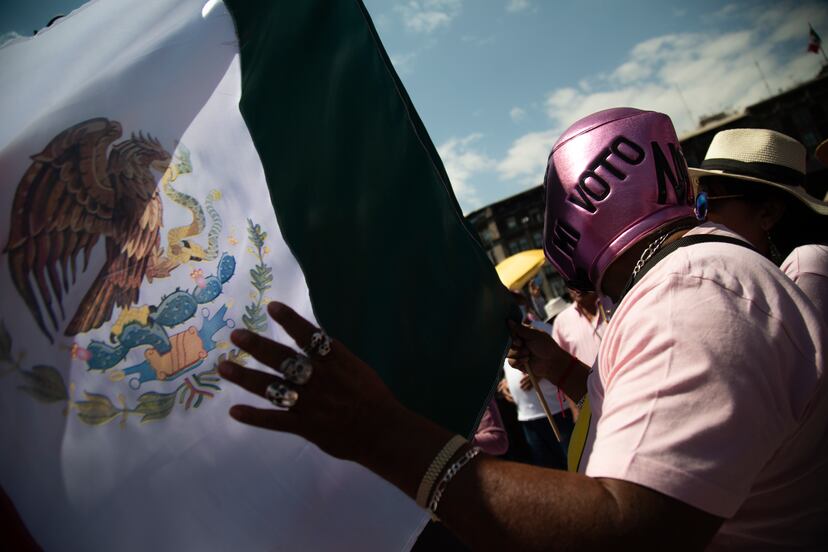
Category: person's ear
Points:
column 770, row 213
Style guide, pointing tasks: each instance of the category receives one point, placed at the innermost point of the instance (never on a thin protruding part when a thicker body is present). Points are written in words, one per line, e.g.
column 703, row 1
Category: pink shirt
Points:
column 577, row 335
column 491, row 434
column 710, row 388
column 807, row 266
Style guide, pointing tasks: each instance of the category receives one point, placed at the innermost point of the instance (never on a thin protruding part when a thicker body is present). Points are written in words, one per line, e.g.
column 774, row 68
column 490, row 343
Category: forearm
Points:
column 570, row 375
column 492, row 503
column 575, row 385
column 405, row 447
column 497, row 505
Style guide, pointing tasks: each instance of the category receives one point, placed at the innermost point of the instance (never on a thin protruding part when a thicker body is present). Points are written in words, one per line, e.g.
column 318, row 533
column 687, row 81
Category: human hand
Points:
column 503, row 389
column 526, row 382
column 536, row 351
column 339, row 408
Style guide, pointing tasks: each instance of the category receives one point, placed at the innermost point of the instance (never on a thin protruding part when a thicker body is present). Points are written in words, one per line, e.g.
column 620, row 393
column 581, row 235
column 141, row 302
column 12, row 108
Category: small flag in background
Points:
column 814, row 41
column 143, row 215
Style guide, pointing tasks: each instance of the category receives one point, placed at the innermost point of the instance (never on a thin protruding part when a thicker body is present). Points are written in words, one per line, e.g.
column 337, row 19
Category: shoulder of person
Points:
column 733, row 268
column 811, row 257
column 570, row 312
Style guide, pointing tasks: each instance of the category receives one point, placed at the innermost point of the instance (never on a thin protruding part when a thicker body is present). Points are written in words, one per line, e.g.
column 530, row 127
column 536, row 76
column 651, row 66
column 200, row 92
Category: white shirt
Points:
column 528, row 405
column 527, row 402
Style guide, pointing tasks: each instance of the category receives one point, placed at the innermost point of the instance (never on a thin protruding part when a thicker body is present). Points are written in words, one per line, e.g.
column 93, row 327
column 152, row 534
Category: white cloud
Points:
column 792, row 23
column 515, row 6
column 526, row 158
column 517, row 114
column 631, row 71
column 426, row 16
column 713, row 73
column 5, row 38
column 561, row 97
column 462, row 162
column 403, row 63
column 704, row 73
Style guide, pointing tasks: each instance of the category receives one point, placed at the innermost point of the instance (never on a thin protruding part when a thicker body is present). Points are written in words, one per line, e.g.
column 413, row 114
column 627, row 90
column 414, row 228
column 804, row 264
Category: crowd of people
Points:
column 686, row 377
column 701, row 397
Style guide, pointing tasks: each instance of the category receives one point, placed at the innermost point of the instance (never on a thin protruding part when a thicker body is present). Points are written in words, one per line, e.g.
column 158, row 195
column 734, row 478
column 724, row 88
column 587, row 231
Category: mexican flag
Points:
column 168, row 168
column 814, row 40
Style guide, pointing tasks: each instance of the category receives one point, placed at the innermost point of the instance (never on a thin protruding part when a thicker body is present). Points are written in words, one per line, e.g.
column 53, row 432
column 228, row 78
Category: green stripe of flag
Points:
column 365, row 205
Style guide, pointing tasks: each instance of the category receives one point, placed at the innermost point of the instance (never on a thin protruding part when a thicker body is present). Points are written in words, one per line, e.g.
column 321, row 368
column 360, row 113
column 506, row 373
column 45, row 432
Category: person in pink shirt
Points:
column 807, row 266
column 753, row 181
column 491, row 435
column 709, row 426
column 578, row 330
column 579, row 327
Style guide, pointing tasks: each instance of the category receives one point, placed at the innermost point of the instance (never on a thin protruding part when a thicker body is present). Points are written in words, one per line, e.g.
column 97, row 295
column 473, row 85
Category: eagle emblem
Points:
column 83, row 187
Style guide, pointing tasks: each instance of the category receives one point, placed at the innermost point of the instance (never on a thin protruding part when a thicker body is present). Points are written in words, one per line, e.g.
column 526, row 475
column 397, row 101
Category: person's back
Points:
column 719, row 360
column 753, row 183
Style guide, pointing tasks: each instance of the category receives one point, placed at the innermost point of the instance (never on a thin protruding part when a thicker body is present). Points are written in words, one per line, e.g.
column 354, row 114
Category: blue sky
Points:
column 496, row 81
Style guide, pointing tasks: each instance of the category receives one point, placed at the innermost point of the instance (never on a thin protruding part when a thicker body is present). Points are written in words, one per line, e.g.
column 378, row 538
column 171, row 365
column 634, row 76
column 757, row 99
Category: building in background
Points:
column 800, row 112
column 515, row 224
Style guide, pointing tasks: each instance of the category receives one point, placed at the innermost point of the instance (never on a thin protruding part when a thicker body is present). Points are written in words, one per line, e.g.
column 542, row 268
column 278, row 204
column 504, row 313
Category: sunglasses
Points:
column 703, row 205
column 730, row 196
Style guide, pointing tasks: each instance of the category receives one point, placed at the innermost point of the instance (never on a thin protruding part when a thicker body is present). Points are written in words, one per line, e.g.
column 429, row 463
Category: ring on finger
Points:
column 281, row 394
column 320, row 344
column 297, row 369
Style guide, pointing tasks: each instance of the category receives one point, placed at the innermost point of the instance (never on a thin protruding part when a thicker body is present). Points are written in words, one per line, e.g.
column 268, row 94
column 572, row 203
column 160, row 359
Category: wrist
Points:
column 571, row 365
column 401, row 447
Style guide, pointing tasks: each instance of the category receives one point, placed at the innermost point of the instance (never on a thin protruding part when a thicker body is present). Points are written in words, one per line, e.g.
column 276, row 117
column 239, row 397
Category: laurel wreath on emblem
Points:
column 46, row 384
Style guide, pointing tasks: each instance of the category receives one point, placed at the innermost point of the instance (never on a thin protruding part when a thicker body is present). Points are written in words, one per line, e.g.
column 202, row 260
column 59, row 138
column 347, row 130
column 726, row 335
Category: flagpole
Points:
column 762, row 74
column 545, row 406
column 684, row 102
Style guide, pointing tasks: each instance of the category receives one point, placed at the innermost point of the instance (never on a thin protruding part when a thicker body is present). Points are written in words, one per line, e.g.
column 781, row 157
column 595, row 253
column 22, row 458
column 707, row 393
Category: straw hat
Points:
column 554, row 307
column 761, row 156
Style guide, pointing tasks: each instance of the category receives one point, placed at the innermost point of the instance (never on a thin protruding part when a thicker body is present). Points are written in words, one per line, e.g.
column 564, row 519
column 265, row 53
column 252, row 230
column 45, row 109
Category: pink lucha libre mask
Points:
column 612, row 178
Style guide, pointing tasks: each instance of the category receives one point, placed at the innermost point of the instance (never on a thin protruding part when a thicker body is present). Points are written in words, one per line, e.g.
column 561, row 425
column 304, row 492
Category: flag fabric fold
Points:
column 341, row 102
column 145, row 218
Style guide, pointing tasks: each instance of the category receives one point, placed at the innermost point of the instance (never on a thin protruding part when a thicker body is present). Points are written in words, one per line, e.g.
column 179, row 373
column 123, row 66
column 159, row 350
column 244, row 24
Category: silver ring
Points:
column 297, row 369
column 281, row 395
column 320, row 344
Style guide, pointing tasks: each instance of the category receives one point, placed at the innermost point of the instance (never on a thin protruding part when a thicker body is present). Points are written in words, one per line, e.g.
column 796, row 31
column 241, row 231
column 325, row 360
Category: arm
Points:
column 347, row 411
column 493, row 504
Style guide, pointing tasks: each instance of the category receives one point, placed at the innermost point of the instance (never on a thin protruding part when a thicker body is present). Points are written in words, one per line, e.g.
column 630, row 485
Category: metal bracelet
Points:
column 433, row 472
column 447, row 477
